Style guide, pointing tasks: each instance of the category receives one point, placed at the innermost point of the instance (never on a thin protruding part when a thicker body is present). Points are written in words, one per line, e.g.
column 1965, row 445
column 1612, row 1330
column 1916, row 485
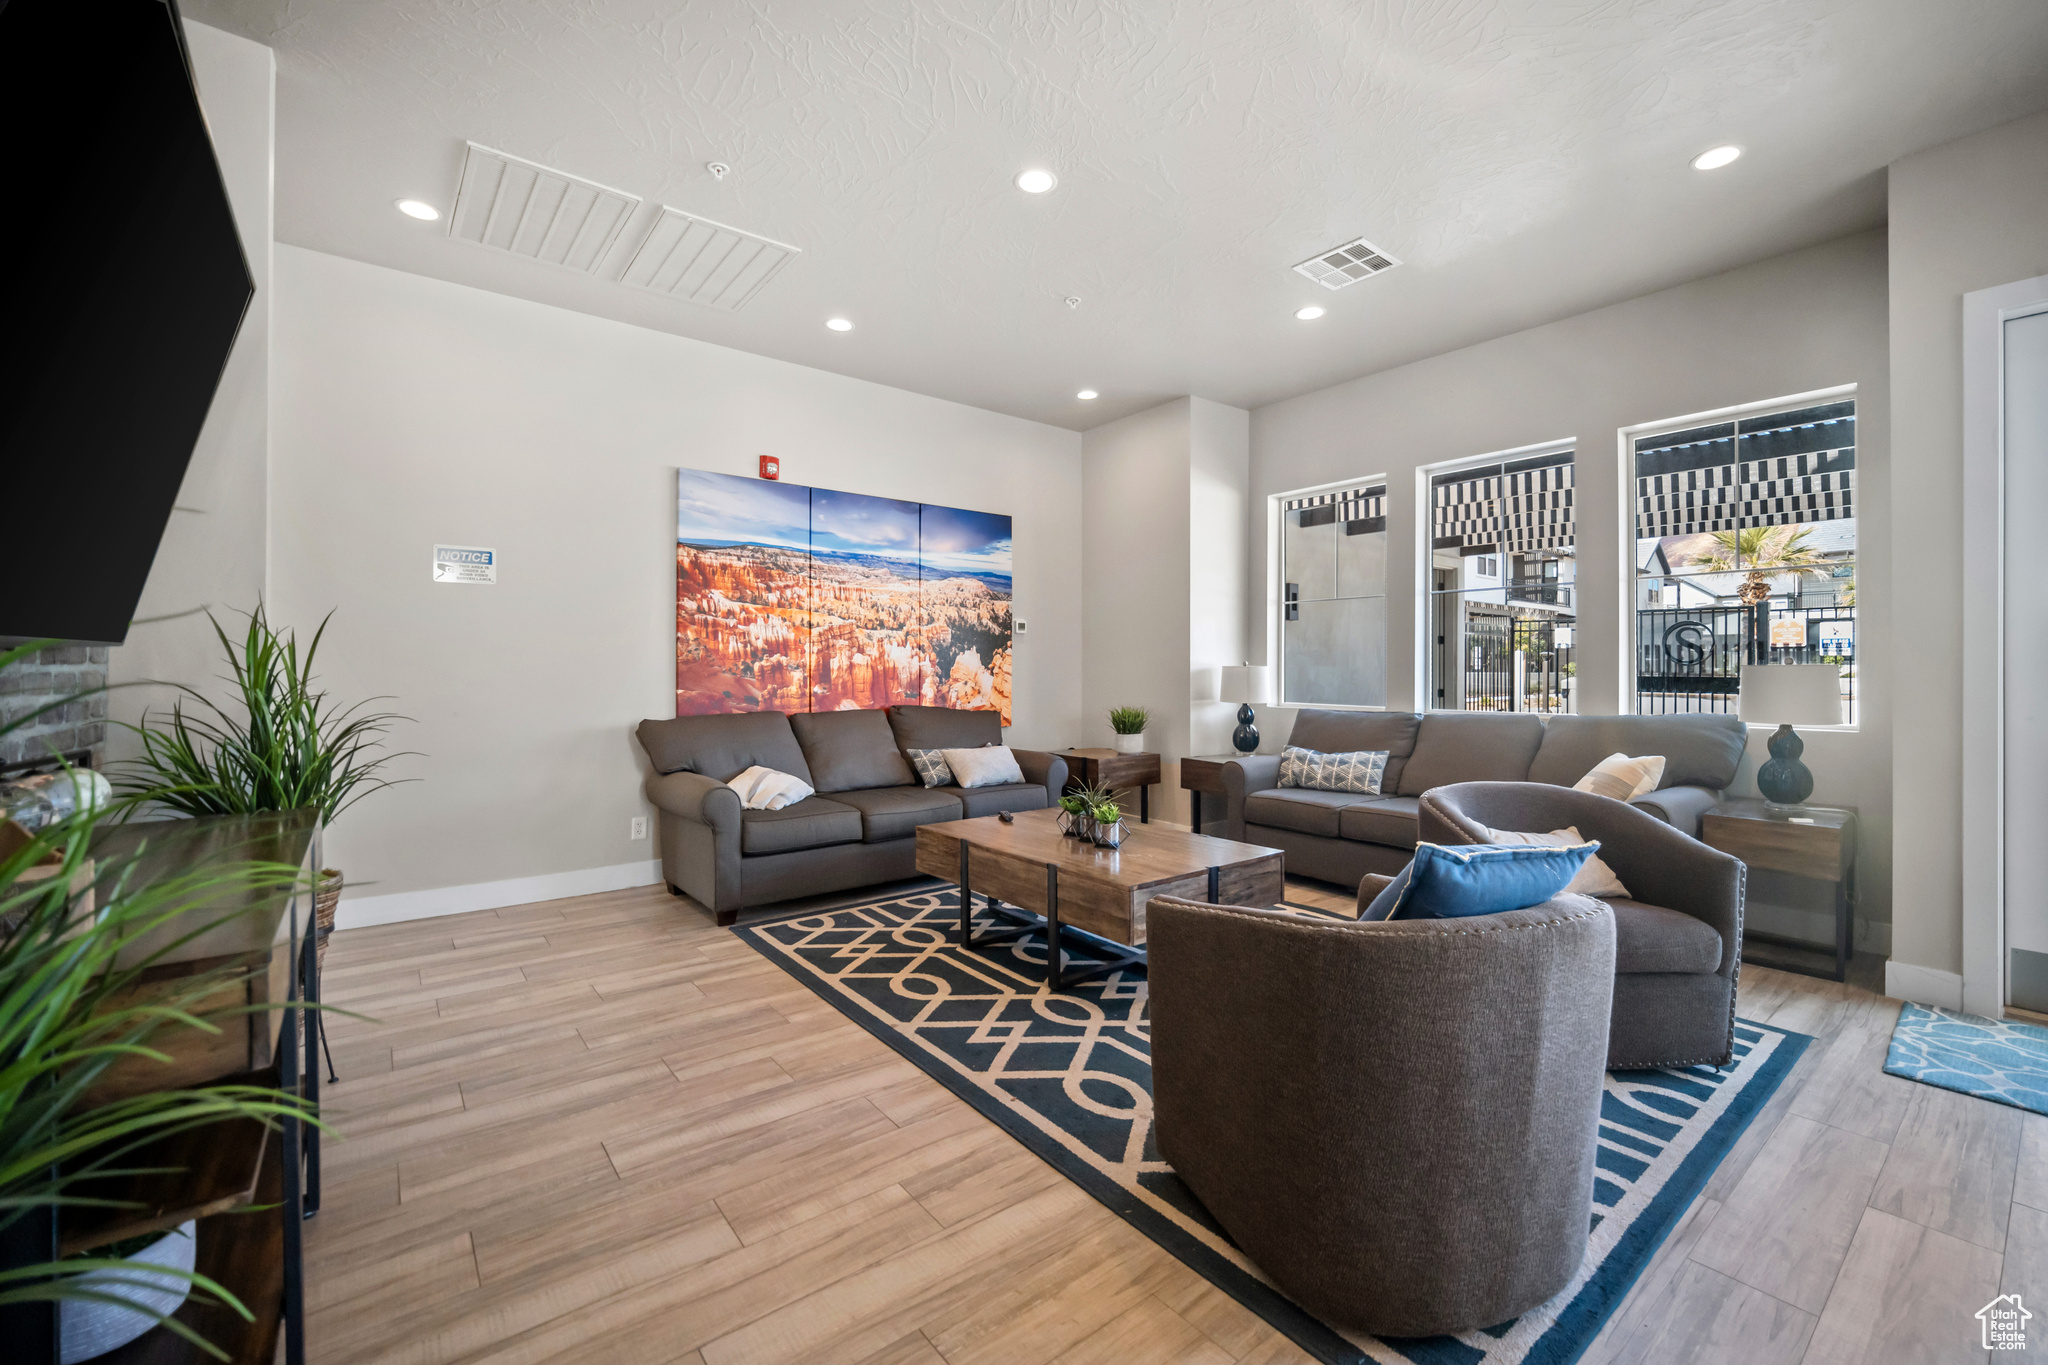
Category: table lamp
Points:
column 1245, row 684
column 1789, row 695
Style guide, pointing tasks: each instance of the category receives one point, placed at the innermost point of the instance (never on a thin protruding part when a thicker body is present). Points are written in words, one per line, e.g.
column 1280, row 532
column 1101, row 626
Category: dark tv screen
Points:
column 123, row 288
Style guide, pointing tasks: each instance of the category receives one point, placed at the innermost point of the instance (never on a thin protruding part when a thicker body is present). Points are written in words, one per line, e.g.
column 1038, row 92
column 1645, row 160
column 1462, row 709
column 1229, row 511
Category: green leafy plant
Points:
column 1073, row 803
column 286, row 746
column 1129, row 720
column 1108, row 812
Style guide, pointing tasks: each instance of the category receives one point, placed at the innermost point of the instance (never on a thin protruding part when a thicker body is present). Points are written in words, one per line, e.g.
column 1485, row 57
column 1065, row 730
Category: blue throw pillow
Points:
column 1477, row 879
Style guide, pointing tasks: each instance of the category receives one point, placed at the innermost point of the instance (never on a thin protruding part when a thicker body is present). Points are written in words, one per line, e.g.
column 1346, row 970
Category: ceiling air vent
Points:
column 530, row 210
column 1346, row 264
column 693, row 258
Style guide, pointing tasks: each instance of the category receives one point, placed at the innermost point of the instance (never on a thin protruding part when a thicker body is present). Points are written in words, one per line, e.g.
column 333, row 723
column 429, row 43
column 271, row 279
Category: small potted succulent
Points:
column 1073, row 810
column 1109, row 824
column 1129, row 722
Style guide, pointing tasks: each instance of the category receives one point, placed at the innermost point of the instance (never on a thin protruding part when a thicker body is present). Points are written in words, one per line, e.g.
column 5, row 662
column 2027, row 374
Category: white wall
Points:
column 1219, row 480
column 409, row 411
column 212, row 553
column 1804, row 321
column 1967, row 215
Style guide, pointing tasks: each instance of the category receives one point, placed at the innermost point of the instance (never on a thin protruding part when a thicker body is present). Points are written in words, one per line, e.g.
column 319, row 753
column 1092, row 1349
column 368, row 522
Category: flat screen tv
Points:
column 122, row 286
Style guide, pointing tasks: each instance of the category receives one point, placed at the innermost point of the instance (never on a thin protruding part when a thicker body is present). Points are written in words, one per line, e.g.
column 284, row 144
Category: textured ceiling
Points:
column 1525, row 161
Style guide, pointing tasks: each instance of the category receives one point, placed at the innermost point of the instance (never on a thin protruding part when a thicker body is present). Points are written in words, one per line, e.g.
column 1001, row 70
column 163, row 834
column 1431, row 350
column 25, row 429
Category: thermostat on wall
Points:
column 465, row 564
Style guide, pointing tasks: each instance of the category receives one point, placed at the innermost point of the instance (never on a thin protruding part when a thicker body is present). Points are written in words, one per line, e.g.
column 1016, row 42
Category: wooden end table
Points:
column 1118, row 772
column 1051, row 882
column 1804, row 841
column 1201, row 773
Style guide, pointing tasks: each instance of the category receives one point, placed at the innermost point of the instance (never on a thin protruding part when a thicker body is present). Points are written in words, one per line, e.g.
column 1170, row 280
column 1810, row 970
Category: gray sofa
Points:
column 861, row 826
column 1397, row 1122
column 1339, row 837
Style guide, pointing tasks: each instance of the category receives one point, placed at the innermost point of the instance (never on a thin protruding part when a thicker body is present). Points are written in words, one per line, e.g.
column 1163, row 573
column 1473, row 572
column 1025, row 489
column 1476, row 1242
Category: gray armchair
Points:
column 1396, row 1122
column 1678, row 935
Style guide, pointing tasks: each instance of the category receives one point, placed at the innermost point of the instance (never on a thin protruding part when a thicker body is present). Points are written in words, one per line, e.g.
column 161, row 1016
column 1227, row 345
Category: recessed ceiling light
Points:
column 413, row 208
column 1087, row 395
column 839, row 324
column 1714, row 158
column 1036, row 181
column 1308, row 314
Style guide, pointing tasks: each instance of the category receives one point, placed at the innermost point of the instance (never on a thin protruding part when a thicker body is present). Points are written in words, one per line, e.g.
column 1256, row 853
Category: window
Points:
column 1333, row 597
column 1502, row 587
column 1745, row 534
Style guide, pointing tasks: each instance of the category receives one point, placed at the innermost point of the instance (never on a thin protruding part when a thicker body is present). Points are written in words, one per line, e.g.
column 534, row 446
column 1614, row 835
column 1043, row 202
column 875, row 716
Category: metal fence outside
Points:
column 1690, row 658
column 1516, row 664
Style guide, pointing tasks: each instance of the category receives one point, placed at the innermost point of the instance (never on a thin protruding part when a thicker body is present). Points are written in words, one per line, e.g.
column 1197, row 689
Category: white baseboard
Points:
column 1815, row 926
column 361, row 911
column 1923, row 985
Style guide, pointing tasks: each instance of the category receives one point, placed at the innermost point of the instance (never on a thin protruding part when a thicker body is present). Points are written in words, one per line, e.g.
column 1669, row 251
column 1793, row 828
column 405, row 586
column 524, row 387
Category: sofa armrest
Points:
column 1243, row 777
column 1048, row 770
column 1369, row 888
column 694, row 796
column 1679, row 807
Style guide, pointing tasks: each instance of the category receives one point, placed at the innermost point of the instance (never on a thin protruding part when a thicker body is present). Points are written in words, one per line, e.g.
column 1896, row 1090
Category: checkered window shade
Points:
column 1519, row 507
column 1364, row 503
column 1779, row 469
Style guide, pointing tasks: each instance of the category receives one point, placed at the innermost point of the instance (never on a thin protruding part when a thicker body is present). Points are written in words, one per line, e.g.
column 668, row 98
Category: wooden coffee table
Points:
column 1039, row 879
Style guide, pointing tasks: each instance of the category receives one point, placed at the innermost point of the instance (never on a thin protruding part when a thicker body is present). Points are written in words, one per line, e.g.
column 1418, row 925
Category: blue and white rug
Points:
column 1070, row 1076
column 1991, row 1059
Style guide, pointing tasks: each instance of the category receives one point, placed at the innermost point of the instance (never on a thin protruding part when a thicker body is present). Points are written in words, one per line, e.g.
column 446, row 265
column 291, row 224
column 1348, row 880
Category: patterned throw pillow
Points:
column 931, row 766
column 1357, row 772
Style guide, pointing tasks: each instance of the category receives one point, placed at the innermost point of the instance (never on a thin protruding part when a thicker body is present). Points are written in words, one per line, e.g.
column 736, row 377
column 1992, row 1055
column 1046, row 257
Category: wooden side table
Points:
column 1118, row 772
column 1806, row 841
column 1203, row 773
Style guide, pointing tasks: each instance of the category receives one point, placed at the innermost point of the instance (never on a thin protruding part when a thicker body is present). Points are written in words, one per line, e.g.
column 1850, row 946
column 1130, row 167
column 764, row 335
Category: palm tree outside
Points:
column 1761, row 551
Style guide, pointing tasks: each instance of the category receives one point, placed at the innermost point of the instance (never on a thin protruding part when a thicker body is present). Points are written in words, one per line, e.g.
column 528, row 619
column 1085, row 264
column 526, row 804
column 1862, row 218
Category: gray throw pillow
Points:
column 931, row 766
column 1355, row 772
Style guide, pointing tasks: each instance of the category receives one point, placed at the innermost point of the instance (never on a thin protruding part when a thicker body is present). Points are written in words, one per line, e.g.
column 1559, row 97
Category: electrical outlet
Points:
column 639, row 827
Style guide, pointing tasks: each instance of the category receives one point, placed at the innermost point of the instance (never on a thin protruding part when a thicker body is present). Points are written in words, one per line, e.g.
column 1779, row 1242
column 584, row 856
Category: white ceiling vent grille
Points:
column 530, row 210
column 1346, row 264
column 694, row 258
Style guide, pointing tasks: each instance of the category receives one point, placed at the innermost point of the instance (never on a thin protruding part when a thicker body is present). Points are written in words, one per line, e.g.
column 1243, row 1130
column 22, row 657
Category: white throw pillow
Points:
column 1595, row 878
column 989, row 767
column 766, row 789
column 1622, row 777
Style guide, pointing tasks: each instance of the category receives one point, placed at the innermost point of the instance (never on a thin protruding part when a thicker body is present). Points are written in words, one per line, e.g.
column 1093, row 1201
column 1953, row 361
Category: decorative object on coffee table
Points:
column 1808, row 841
column 1789, row 695
column 1246, row 684
column 1107, row 770
column 1129, row 722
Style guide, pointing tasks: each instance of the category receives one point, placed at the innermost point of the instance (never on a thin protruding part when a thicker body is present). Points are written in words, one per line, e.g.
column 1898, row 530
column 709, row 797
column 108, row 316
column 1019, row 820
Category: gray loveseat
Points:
column 1340, row 837
column 860, row 827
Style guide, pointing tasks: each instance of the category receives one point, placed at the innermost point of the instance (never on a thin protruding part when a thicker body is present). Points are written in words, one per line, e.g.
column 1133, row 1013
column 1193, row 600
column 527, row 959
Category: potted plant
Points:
column 1073, row 807
column 1129, row 722
column 1109, row 824
column 282, row 744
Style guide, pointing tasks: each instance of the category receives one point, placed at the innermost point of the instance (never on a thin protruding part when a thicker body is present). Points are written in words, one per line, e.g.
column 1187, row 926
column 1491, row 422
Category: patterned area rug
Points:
column 1992, row 1059
column 1070, row 1077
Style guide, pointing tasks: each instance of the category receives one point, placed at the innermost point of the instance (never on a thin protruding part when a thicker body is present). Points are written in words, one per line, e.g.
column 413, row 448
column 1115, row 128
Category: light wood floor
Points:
column 602, row 1129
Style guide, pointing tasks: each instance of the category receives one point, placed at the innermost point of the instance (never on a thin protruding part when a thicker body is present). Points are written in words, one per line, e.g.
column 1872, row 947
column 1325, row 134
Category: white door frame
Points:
column 1985, row 313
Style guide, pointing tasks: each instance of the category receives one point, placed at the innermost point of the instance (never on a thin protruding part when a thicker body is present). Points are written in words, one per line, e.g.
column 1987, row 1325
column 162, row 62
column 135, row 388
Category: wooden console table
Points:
column 1804, row 841
column 1118, row 772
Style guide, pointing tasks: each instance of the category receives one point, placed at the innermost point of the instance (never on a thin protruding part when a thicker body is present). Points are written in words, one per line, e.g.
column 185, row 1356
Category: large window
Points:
column 1745, row 535
column 1502, row 587
column 1333, row 598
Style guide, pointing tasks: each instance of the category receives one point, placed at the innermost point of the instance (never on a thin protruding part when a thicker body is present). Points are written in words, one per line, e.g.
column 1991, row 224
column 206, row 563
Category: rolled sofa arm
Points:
column 1679, row 807
column 695, row 797
column 700, row 840
column 1369, row 888
column 1243, row 777
column 1047, row 769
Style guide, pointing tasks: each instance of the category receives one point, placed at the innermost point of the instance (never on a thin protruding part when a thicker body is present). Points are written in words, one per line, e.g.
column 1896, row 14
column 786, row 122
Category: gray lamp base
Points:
column 1784, row 780
column 1246, row 737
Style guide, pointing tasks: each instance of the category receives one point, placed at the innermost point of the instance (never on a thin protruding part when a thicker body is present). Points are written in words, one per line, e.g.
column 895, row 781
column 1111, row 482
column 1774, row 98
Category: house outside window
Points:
column 1745, row 551
column 1502, row 610
column 1333, row 597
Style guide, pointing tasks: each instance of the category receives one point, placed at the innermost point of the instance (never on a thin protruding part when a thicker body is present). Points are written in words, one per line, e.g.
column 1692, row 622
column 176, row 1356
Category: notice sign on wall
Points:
column 465, row 564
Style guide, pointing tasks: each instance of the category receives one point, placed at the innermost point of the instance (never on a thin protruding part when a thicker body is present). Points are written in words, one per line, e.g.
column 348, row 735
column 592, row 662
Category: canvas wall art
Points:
column 791, row 598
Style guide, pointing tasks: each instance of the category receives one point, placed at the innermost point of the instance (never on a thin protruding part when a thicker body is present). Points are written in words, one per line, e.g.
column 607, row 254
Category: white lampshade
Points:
column 1792, row 694
column 1246, row 683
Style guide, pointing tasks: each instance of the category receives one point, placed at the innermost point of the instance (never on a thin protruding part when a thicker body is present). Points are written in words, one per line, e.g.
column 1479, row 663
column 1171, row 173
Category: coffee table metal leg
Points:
column 1053, row 974
column 1195, row 812
column 966, row 901
column 1145, row 805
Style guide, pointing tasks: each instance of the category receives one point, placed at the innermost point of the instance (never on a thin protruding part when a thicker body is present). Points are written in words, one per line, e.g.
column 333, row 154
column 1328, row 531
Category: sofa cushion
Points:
column 1343, row 732
column 896, row 812
column 1010, row 796
column 1470, row 746
column 810, row 823
column 723, row 747
column 1698, row 750
column 1297, row 808
column 1650, row 938
column 849, row 750
column 943, row 727
column 1389, row 820
column 1470, row 880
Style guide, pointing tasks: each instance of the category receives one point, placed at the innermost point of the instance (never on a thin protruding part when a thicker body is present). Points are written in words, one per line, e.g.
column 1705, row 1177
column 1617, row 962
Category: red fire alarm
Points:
column 771, row 468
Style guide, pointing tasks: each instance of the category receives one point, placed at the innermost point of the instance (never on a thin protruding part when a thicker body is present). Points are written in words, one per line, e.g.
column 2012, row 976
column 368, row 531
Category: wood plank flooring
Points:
column 603, row 1129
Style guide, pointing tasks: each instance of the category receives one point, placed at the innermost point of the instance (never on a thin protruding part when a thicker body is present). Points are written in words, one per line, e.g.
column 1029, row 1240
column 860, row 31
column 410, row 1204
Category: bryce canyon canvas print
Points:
column 791, row 598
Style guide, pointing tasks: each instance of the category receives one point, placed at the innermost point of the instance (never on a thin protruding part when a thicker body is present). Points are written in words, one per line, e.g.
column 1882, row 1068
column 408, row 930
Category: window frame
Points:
column 1276, row 586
